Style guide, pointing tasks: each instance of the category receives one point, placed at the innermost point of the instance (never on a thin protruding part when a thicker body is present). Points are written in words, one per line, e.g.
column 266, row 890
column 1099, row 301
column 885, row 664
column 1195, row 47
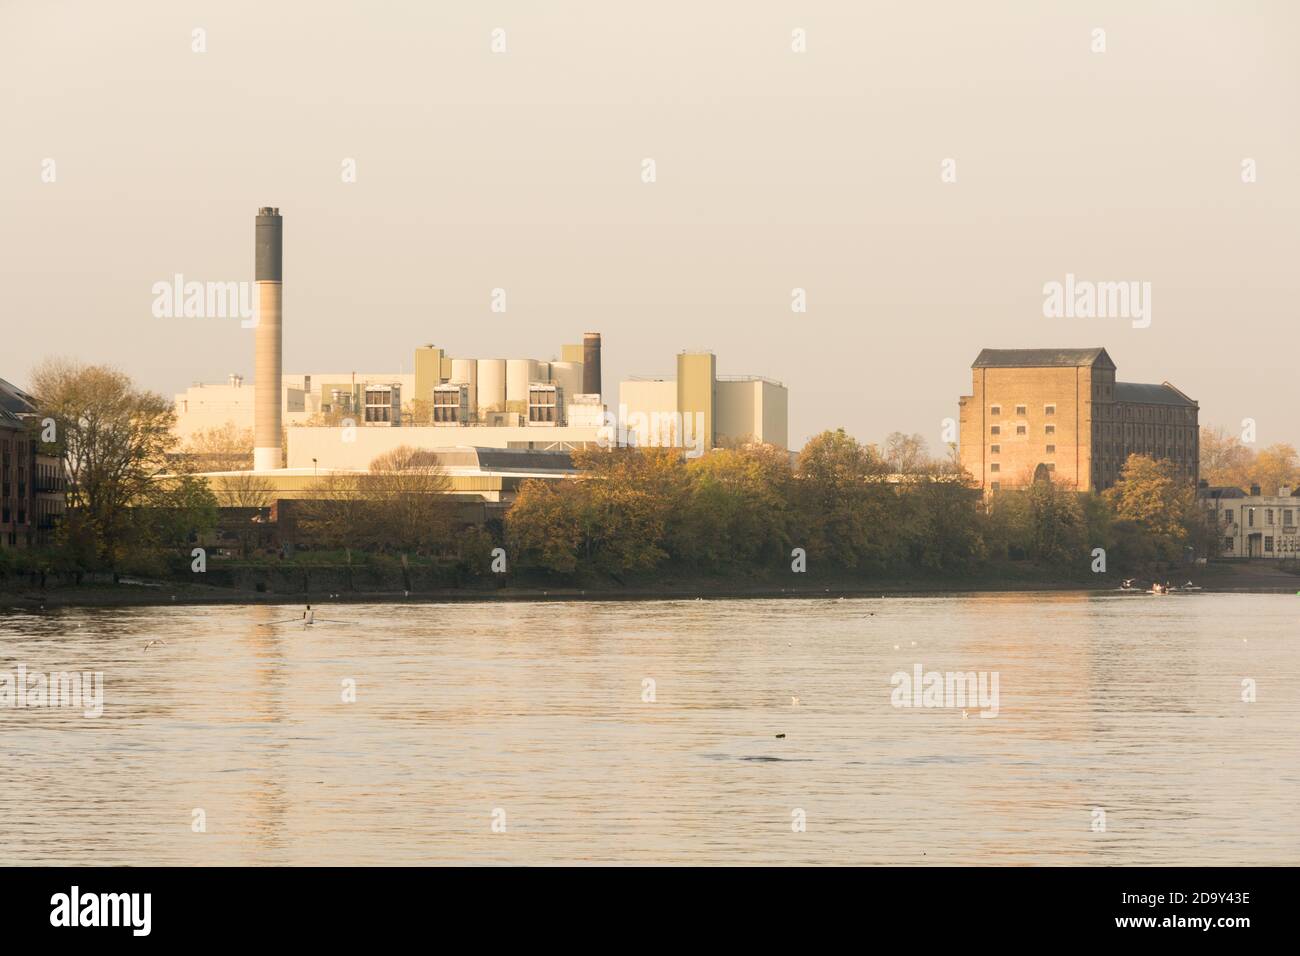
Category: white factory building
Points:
column 347, row 419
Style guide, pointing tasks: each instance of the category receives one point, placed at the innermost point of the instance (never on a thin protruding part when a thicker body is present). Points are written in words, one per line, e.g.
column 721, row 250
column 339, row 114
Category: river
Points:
column 647, row 732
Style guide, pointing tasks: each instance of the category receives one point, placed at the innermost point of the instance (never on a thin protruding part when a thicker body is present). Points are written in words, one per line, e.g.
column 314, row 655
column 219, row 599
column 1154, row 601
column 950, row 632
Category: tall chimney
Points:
column 591, row 363
column 269, row 340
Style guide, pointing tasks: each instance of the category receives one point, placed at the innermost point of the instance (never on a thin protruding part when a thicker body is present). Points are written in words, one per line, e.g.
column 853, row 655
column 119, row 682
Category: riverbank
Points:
column 1251, row 578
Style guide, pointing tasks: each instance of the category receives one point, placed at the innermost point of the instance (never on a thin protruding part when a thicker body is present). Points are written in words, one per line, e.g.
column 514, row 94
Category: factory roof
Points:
column 1143, row 394
column 1042, row 358
column 14, row 400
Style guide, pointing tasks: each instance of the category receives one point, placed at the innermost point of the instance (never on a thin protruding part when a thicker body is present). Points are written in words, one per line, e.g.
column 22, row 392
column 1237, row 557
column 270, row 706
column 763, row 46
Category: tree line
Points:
column 845, row 509
column 135, row 497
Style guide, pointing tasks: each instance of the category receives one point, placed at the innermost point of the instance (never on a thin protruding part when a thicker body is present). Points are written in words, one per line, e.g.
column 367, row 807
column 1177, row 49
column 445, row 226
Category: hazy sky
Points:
column 775, row 170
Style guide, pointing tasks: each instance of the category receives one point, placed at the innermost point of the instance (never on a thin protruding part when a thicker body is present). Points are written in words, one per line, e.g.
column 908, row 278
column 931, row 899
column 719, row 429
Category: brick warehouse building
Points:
column 1062, row 411
column 32, row 485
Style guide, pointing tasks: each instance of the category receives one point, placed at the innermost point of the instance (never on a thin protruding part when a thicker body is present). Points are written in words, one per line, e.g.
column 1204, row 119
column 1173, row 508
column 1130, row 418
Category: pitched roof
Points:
column 1042, row 358
column 14, row 399
column 1162, row 394
column 1220, row 491
column 9, row 420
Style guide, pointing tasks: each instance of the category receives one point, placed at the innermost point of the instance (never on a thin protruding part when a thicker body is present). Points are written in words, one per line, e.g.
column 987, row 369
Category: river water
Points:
column 646, row 732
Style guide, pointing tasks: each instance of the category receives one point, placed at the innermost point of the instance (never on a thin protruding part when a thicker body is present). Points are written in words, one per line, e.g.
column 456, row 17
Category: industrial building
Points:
column 1060, row 412
column 724, row 409
column 346, row 420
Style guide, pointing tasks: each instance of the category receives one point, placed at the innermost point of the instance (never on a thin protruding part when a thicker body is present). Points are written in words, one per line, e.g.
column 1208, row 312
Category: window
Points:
column 1268, row 516
column 1288, row 517
column 1021, row 430
column 1227, row 515
column 995, row 467
column 995, row 449
column 1020, row 410
column 1049, row 409
column 995, row 409
column 1051, row 429
column 1051, row 449
column 1268, row 542
column 995, row 486
column 1227, row 544
column 1250, row 517
column 995, row 430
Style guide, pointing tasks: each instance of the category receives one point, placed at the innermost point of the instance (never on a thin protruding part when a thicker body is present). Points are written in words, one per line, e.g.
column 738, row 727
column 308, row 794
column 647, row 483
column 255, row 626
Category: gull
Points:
column 153, row 642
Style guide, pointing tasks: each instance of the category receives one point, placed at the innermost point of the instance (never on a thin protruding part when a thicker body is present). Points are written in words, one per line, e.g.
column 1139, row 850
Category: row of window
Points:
column 997, row 449
column 1022, row 429
column 1288, row 516
column 997, row 467
column 1284, row 544
column 1148, row 413
column 996, row 410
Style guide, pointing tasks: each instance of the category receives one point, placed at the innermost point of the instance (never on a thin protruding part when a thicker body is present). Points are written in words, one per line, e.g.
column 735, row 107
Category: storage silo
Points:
column 465, row 372
column 519, row 373
column 491, row 385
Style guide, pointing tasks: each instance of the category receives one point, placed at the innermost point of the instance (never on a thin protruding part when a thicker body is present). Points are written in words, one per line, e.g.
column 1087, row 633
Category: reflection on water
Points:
column 1127, row 703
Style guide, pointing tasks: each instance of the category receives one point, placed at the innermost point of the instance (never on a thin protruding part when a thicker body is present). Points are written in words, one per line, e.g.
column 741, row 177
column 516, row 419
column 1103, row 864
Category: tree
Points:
column 735, row 513
column 906, row 454
column 1225, row 461
column 334, row 515
column 544, row 524
column 220, row 448
column 1042, row 521
column 1149, row 495
column 407, row 495
column 845, row 513
column 944, row 532
column 113, row 439
column 1276, row 467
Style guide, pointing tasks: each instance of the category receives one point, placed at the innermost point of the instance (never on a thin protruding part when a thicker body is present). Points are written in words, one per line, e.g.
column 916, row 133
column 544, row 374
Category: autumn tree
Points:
column 544, row 525
column 113, row 439
column 1276, row 467
column 1225, row 461
column 1149, row 495
column 736, row 511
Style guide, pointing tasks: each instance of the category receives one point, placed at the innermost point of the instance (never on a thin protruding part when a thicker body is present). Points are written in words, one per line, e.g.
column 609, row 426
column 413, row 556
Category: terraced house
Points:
column 1061, row 413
